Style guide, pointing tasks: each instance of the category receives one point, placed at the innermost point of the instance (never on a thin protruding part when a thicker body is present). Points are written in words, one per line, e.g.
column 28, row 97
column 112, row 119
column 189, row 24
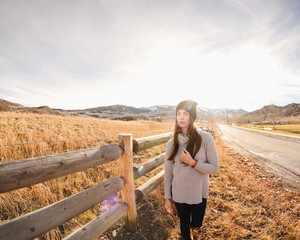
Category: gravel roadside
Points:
column 286, row 174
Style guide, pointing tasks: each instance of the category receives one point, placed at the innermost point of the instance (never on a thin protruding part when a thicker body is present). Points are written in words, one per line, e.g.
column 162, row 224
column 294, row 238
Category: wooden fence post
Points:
column 126, row 171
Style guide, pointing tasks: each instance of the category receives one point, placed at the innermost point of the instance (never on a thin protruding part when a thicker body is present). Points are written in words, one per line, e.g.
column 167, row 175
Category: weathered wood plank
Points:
column 99, row 225
column 148, row 142
column 148, row 166
column 22, row 173
column 43, row 220
column 126, row 170
column 207, row 129
column 149, row 186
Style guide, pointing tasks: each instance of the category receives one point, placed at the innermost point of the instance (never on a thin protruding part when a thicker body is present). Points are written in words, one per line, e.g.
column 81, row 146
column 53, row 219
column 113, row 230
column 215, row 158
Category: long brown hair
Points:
column 194, row 142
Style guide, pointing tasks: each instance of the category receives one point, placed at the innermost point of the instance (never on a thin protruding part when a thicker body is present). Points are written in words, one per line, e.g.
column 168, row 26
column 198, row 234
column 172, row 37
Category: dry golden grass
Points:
column 245, row 201
column 27, row 127
column 291, row 129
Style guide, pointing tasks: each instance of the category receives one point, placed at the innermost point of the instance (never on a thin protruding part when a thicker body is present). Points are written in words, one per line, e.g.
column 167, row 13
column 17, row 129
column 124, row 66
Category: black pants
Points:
column 191, row 215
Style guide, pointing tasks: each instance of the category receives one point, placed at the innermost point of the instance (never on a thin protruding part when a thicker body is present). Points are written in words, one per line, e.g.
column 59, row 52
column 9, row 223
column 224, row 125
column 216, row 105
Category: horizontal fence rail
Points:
column 207, row 129
column 148, row 166
column 23, row 173
column 149, row 186
column 43, row 220
column 148, row 142
column 94, row 228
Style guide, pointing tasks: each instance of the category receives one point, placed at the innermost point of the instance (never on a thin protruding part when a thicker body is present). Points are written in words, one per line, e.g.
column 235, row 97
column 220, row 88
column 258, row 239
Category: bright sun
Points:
column 216, row 77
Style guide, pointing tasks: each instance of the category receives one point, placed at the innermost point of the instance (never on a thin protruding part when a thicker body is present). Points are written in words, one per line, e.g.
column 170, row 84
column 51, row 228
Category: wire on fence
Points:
column 72, row 139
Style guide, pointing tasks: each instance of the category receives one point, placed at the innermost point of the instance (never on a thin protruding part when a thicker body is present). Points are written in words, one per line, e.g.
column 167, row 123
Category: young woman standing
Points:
column 190, row 157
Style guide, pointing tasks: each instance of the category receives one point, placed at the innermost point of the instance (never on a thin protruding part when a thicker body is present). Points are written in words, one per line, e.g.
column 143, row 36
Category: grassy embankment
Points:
column 291, row 129
column 245, row 201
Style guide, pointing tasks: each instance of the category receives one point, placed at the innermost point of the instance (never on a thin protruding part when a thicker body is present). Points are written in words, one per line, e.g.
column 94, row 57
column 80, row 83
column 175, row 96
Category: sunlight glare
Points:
column 250, row 68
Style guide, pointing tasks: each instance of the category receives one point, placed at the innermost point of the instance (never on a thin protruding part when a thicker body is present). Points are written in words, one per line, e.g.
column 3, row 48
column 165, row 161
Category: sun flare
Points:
column 213, row 76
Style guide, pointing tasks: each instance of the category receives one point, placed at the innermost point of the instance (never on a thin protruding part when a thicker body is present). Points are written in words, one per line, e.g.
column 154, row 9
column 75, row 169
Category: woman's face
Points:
column 183, row 119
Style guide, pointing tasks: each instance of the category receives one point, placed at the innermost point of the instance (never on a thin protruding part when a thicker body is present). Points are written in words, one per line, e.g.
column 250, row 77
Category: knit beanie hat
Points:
column 189, row 106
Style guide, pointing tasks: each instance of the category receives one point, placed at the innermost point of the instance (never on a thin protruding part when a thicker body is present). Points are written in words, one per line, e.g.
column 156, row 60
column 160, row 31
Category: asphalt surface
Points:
column 283, row 152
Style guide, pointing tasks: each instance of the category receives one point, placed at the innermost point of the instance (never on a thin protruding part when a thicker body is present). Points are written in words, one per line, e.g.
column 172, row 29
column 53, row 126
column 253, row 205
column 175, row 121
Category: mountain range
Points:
column 15, row 107
column 292, row 109
column 159, row 112
column 272, row 113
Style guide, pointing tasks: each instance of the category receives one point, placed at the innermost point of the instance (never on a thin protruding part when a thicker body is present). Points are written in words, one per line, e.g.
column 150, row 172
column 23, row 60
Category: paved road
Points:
column 283, row 152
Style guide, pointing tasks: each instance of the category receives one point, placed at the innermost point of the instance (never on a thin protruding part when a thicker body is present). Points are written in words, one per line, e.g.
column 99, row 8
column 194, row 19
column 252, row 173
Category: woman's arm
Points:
column 212, row 164
column 168, row 205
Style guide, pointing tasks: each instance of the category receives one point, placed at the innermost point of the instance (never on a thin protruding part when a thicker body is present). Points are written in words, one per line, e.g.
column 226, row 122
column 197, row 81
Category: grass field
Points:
column 246, row 202
column 292, row 129
column 23, row 128
column 27, row 127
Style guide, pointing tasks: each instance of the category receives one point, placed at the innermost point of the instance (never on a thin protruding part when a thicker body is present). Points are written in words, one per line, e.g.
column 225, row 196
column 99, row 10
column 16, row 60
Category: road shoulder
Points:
column 287, row 175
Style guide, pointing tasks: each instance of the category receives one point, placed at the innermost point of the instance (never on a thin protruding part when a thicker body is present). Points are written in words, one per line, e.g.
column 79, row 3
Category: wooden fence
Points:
column 23, row 173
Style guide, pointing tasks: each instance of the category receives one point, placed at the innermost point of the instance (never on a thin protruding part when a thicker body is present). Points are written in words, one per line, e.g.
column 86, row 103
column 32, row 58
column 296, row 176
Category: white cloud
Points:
column 85, row 54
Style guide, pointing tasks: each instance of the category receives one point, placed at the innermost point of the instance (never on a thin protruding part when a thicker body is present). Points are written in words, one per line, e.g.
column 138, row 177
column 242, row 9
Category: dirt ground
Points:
column 151, row 226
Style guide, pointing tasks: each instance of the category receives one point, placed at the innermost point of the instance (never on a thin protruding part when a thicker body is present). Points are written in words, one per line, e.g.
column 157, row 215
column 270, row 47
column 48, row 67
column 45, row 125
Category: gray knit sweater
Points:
column 185, row 184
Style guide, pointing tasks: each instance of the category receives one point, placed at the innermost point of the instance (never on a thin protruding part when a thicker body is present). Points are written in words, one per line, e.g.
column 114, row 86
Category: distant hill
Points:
column 272, row 113
column 8, row 106
column 123, row 112
column 15, row 107
column 289, row 110
column 161, row 112
column 158, row 112
column 219, row 114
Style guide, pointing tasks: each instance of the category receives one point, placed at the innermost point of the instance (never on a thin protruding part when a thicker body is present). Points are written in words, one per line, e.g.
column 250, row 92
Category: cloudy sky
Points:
column 81, row 54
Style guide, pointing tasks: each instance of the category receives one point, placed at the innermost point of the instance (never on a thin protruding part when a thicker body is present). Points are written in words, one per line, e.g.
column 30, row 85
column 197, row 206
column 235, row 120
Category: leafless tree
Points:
column 273, row 113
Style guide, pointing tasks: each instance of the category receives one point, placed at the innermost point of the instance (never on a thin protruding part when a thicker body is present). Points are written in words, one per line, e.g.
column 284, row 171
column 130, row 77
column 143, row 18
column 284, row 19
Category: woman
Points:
column 190, row 157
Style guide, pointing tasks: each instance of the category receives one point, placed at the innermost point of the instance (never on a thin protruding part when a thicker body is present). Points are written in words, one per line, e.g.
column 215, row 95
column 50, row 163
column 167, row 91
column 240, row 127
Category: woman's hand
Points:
column 187, row 158
column 168, row 205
